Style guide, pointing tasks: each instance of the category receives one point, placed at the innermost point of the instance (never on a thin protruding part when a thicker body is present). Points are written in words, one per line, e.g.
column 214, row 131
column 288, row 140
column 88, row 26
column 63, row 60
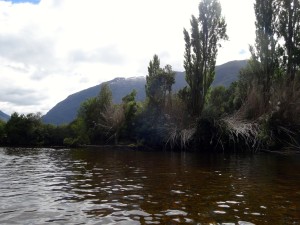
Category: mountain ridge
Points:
column 66, row 111
column 4, row 116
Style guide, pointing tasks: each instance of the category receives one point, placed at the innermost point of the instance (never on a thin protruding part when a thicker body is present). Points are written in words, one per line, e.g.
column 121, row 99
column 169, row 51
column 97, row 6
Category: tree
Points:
column 264, row 53
column 112, row 122
column 77, row 133
column 130, row 106
column 105, row 96
column 91, row 112
column 159, row 83
column 24, row 130
column 288, row 28
column 55, row 135
column 2, row 132
column 201, row 48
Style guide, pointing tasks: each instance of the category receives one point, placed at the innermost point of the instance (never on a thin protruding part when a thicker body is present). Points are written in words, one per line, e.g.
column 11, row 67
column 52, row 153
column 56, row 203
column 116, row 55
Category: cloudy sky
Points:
column 50, row 49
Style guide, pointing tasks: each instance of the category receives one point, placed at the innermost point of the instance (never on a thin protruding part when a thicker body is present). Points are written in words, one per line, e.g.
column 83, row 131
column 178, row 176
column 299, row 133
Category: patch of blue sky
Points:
column 23, row 1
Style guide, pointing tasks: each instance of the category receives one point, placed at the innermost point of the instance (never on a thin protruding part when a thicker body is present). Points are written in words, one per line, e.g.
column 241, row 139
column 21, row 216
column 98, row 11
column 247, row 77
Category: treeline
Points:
column 260, row 110
column 28, row 130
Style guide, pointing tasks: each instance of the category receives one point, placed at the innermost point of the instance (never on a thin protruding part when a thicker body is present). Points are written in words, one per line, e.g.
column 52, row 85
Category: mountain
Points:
column 65, row 111
column 228, row 72
column 4, row 116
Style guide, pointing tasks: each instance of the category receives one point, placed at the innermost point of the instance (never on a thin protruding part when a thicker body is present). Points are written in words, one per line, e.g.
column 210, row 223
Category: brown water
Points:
column 94, row 186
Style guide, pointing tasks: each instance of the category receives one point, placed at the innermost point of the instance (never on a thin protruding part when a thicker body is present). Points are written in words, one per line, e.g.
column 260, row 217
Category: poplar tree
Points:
column 159, row 83
column 201, row 48
column 264, row 52
column 288, row 27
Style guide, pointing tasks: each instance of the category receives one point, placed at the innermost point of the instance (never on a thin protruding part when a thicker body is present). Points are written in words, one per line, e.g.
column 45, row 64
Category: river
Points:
column 117, row 186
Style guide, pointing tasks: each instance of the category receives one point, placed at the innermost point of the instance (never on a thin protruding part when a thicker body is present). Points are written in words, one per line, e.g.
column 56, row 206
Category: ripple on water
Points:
column 152, row 222
column 219, row 212
column 74, row 186
column 232, row 202
column 224, row 206
column 133, row 197
column 171, row 212
column 245, row 223
column 239, row 195
column 132, row 213
column 177, row 192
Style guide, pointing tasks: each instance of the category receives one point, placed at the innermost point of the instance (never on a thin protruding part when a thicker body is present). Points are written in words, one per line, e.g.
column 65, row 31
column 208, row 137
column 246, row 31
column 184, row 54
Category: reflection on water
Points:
column 98, row 186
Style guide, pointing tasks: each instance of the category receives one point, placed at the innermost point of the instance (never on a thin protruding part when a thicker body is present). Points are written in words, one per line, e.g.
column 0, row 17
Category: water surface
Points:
column 106, row 186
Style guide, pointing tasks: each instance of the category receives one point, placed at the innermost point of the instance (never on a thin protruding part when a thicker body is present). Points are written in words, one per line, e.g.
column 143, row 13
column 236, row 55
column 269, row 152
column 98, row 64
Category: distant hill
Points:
column 228, row 72
column 4, row 116
column 66, row 111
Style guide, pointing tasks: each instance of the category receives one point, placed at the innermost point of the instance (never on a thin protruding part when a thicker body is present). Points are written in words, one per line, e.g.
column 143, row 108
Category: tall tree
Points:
column 288, row 27
column 264, row 53
column 159, row 83
column 201, row 48
column 91, row 112
column 105, row 96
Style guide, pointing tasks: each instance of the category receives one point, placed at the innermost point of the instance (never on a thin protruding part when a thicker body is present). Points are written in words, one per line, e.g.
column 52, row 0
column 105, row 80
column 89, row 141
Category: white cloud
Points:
column 57, row 47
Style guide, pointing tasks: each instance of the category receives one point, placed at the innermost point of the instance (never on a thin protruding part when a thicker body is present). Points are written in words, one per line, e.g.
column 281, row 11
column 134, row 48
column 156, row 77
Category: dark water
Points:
column 94, row 186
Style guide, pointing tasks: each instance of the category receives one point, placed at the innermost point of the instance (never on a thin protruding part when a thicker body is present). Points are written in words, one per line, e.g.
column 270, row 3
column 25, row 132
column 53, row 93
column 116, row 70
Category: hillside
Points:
column 65, row 111
column 228, row 72
column 4, row 116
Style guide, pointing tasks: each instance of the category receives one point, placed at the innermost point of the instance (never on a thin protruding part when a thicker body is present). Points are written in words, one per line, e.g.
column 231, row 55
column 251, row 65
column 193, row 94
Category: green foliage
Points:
column 105, row 96
column 99, row 121
column 277, row 21
column 78, row 132
column 130, row 106
column 264, row 53
column 90, row 117
column 54, row 135
column 149, row 128
column 222, row 101
column 150, row 123
column 70, row 142
column 265, row 42
column 159, row 83
column 28, row 130
column 131, row 109
column 24, row 130
column 185, row 95
column 247, row 78
column 201, row 48
column 217, row 104
column 288, row 28
column 2, row 132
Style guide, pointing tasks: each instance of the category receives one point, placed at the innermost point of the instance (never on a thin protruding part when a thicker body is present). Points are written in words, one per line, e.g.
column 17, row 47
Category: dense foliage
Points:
column 28, row 130
column 201, row 48
column 159, row 84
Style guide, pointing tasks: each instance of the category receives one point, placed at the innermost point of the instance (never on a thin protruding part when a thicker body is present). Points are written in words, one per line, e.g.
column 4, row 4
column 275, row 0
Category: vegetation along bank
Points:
column 261, row 110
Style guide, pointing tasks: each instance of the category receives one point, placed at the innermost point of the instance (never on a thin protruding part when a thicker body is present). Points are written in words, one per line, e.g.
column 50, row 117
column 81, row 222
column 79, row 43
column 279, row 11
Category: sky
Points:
column 50, row 49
